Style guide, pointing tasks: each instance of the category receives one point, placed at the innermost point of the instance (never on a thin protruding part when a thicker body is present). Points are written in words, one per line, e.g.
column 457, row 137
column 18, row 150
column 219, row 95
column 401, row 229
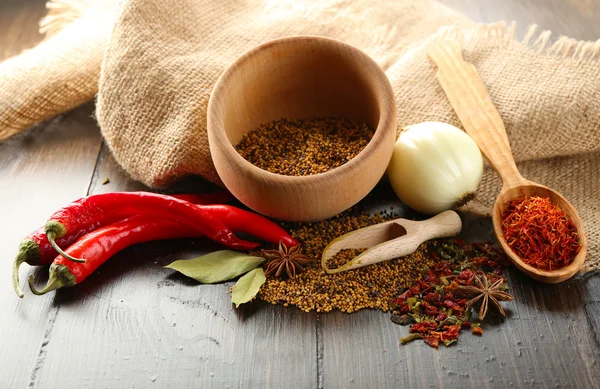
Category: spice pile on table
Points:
column 369, row 287
column 304, row 147
column 464, row 277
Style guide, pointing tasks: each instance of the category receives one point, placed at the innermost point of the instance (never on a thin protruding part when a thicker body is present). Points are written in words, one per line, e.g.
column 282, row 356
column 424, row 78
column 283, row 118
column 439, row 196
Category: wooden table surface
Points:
column 135, row 324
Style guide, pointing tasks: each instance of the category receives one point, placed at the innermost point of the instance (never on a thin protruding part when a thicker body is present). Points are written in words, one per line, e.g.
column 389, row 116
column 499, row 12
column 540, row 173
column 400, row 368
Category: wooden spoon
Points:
column 483, row 123
column 393, row 239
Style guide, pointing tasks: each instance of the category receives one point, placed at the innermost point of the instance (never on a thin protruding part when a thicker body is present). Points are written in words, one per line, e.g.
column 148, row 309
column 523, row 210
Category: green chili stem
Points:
column 51, row 285
column 15, row 275
column 51, row 239
column 60, row 277
column 29, row 252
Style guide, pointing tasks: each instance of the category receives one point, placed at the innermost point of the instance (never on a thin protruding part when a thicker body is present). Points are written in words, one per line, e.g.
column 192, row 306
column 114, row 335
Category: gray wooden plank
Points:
column 39, row 172
column 551, row 337
column 135, row 324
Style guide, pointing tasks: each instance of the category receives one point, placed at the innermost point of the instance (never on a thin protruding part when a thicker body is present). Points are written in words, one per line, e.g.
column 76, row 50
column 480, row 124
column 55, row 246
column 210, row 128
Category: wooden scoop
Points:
column 393, row 239
column 483, row 123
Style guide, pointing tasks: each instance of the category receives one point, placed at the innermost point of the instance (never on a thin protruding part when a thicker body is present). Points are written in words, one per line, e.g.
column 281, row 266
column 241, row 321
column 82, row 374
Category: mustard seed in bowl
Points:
column 306, row 146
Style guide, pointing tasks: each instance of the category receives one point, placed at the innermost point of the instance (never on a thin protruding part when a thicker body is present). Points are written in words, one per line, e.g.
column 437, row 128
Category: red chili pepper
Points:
column 254, row 224
column 98, row 246
column 126, row 204
column 36, row 249
column 205, row 198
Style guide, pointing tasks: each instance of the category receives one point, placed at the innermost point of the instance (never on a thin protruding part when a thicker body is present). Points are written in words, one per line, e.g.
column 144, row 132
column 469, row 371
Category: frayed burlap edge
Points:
column 61, row 13
column 539, row 42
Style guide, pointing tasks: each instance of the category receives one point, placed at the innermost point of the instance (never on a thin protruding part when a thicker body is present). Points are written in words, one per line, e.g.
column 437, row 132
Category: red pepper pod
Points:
column 127, row 204
column 98, row 246
column 35, row 249
column 252, row 223
column 206, row 198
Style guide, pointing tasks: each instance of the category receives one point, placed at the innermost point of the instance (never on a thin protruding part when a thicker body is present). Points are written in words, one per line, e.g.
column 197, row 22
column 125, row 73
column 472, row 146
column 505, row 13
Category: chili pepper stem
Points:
column 29, row 252
column 60, row 277
column 56, row 230
column 15, row 277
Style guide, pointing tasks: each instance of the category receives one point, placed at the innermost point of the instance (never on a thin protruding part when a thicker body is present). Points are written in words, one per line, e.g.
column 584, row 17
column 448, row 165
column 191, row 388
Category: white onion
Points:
column 435, row 167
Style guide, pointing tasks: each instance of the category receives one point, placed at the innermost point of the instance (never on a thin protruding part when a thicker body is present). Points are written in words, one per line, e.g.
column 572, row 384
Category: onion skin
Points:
column 435, row 167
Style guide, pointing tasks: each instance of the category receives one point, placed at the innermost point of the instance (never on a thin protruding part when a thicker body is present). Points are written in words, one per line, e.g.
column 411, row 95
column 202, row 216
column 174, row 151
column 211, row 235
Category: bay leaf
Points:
column 217, row 266
column 247, row 286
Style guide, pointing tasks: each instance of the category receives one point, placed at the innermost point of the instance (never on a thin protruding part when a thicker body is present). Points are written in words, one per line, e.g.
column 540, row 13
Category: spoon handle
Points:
column 475, row 109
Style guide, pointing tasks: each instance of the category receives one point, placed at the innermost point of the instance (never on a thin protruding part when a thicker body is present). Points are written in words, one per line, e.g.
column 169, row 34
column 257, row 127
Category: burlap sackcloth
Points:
column 62, row 72
column 163, row 57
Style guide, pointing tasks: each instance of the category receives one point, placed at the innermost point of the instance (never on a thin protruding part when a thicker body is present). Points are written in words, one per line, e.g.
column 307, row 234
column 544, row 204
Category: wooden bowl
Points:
column 294, row 78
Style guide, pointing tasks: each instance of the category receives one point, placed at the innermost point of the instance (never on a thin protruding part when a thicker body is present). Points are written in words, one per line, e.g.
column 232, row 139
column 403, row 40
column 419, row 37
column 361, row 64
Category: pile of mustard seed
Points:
column 304, row 147
column 372, row 286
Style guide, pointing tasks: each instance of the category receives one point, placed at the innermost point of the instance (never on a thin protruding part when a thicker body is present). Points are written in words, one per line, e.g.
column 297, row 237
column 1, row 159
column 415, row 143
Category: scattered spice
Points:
column 369, row 287
column 476, row 329
column 304, row 147
column 289, row 260
column 106, row 181
column 343, row 257
column 540, row 233
column 434, row 306
column 487, row 292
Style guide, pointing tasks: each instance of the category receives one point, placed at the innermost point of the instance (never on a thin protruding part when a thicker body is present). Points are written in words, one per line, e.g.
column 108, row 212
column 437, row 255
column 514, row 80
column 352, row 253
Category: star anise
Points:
column 485, row 291
column 289, row 260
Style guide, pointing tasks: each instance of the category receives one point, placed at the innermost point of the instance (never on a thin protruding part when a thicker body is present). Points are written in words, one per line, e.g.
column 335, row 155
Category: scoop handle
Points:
column 475, row 109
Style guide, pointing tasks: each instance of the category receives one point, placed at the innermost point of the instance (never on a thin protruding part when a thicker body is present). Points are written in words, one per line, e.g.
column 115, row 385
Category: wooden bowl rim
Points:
column 553, row 276
column 383, row 92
